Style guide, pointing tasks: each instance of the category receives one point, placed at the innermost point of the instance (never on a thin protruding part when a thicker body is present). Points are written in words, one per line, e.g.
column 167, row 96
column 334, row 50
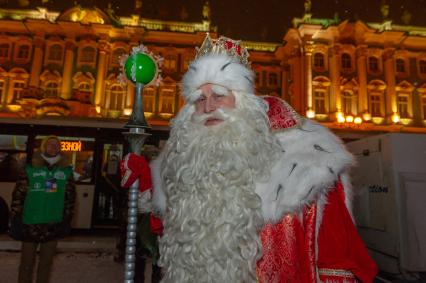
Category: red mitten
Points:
column 156, row 225
column 131, row 168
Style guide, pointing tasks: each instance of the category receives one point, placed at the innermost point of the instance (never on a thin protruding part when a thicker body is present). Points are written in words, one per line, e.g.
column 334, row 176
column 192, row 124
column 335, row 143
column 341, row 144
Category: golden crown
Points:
column 223, row 45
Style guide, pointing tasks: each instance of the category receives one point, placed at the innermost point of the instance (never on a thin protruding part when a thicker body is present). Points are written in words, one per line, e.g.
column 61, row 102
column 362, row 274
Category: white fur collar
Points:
column 312, row 160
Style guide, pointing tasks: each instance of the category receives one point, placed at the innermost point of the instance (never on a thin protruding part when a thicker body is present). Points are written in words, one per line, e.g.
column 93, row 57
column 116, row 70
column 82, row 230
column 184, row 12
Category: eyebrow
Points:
column 218, row 89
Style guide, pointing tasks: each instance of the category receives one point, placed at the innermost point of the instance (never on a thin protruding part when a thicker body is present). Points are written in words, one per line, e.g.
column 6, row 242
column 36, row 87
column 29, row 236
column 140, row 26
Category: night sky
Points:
column 262, row 20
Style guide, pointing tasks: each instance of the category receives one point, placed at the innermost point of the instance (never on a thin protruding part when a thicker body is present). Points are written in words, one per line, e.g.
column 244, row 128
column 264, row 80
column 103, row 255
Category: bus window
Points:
column 12, row 156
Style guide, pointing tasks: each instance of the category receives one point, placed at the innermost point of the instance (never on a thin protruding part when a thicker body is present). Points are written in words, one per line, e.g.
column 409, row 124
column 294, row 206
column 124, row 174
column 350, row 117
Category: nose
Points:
column 210, row 104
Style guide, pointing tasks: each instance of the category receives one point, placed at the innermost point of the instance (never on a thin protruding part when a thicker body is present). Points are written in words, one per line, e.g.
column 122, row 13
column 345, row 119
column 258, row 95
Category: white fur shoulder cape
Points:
column 312, row 160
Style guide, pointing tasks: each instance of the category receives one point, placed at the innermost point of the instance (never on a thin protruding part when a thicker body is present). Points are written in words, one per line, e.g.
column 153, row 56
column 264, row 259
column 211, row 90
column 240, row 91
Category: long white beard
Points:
column 213, row 215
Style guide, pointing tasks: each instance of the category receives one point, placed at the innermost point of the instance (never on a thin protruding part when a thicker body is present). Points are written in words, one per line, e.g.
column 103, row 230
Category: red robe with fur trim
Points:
column 318, row 242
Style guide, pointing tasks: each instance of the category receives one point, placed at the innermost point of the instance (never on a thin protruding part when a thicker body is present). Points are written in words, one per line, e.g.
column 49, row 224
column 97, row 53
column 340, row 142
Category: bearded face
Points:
column 213, row 213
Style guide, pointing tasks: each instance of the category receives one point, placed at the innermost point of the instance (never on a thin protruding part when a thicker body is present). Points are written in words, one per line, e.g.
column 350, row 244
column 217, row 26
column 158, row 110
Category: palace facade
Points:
column 67, row 64
column 355, row 76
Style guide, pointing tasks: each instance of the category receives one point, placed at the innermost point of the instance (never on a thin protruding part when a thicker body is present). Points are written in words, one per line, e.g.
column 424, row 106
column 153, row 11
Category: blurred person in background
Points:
column 42, row 208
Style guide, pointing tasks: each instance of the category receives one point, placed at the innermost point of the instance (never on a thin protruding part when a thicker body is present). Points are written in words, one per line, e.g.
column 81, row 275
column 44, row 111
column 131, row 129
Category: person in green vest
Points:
column 42, row 208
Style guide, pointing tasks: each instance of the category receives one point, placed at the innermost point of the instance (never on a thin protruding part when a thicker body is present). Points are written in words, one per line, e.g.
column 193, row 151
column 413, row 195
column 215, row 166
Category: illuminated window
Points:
column 116, row 56
column 17, row 89
column 424, row 107
column 169, row 62
column 51, row 89
column 149, row 100
column 319, row 60
column 422, row 67
column 55, row 53
column 400, row 65
column 375, row 104
column 319, row 102
column 402, row 104
column 2, row 90
column 373, row 64
column 117, row 96
column 88, row 54
column 4, row 50
column 347, row 101
column 185, row 63
column 167, row 101
column 23, row 52
column 85, row 86
column 346, row 61
column 273, row 79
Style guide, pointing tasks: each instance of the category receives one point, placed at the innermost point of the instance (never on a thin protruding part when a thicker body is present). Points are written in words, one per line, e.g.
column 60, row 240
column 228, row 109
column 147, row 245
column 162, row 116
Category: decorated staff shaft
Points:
column 141, row 69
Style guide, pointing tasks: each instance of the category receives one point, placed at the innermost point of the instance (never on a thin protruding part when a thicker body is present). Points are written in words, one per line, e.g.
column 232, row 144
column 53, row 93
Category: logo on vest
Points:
column 59, row 175
column 37, row 187
column 39, row 174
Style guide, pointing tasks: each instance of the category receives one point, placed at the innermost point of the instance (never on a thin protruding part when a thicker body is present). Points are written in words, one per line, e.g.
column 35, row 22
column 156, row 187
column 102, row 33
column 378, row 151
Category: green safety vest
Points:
column 44, row 202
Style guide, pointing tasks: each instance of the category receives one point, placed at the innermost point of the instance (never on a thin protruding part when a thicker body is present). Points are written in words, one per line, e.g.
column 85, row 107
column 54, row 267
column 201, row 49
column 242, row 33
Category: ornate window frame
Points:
column 85, row 58
column 22, row 43
column 376, row 90
column 55, row 51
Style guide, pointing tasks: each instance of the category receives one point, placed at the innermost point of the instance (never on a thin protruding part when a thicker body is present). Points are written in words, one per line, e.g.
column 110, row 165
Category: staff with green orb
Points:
column 140, row 68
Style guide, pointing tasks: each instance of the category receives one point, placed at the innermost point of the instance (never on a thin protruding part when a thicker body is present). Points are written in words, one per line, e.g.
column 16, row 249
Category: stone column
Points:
column 100, row 76
column 389, row 69
column 298, row 79
column 334, row 96
column 308, row 49
column 361, row 61
column 37, row 64
column 67, row 73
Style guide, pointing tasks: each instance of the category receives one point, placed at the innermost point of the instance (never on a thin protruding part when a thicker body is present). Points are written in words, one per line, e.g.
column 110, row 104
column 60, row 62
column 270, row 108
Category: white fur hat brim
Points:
column 219, row 69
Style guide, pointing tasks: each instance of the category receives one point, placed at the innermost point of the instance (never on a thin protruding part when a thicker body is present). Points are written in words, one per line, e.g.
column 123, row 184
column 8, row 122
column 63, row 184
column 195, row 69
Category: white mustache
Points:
column 221, row 114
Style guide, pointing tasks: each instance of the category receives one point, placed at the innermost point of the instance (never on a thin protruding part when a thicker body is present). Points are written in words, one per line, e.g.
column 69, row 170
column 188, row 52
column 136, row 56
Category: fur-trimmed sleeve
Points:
column 312, row 160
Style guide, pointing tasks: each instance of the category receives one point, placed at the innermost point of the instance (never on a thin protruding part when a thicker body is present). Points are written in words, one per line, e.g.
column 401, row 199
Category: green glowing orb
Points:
column 140, row 68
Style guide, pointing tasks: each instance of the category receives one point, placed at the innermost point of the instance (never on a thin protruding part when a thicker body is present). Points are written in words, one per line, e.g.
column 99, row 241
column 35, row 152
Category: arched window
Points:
column 55, row 53
column 116, row 97
column 373, row 64
column 51, row 89
column 23, row 52
column 88, row 54
column 400, row 65
column 346, row 61
column 319, row 60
